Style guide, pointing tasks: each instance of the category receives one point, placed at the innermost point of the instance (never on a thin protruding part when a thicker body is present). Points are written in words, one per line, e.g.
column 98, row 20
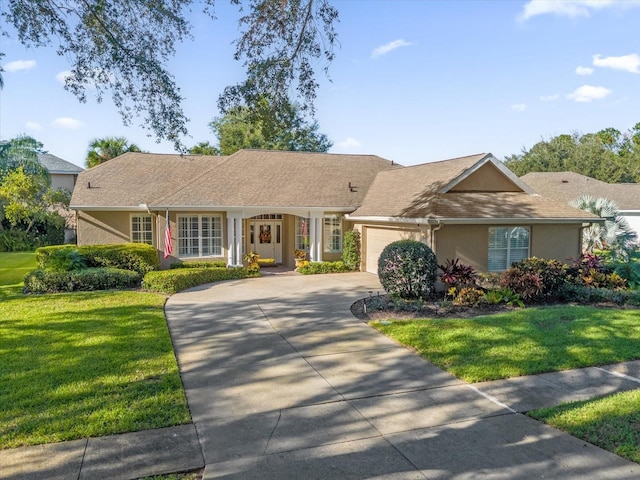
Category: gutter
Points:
column 477, row 221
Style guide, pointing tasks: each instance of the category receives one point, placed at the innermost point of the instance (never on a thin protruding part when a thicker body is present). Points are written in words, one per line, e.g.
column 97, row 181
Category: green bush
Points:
column 312, row 268
column 49, row 230
column 552, row 274
column 585, row 294
column 172, row 281
column 214, row 264
column 14, row 240
column 469, row 296
column 408, row 268
column 351, row 250
column 138, row 257
column 66, row 260
column 42, row 281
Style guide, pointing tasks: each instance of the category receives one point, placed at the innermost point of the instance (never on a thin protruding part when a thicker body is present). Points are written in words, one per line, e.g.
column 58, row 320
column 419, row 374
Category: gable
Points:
column 487, row 178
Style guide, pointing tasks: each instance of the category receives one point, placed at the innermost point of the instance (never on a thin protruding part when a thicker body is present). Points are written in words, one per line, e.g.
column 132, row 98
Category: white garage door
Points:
column 378, row 238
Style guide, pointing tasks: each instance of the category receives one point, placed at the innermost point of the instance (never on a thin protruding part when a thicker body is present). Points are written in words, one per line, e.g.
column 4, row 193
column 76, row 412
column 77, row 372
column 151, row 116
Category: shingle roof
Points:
column 133, row 179
column 246, row 178
column 421, row 192
column 56, row 165
column 568, row 186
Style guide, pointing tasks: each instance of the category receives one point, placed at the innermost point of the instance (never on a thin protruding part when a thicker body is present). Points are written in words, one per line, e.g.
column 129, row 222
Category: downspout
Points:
column 433, row 235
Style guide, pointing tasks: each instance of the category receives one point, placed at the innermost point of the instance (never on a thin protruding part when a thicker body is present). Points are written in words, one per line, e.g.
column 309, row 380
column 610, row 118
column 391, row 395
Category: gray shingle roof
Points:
column 56, row 165
column 568, row 186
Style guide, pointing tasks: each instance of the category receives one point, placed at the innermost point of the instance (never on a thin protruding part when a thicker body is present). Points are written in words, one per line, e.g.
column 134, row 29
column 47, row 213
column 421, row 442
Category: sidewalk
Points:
column 284, row 383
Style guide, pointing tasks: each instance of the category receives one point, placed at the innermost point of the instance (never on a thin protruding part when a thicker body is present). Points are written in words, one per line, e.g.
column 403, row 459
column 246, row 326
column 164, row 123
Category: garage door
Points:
column 377, row 238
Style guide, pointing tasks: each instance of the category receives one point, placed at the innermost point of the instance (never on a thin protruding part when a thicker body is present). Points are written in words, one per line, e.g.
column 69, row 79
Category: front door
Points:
column 266, row 239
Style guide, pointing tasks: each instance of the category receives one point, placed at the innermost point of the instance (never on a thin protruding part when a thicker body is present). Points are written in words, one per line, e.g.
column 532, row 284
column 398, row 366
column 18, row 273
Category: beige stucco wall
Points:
column 486, row 179
column 562, row 242
column 103, row 227
column 66, row 182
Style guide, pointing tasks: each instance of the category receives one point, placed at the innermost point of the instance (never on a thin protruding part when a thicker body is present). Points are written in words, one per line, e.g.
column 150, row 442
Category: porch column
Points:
column 315, row 237
column 234, row 237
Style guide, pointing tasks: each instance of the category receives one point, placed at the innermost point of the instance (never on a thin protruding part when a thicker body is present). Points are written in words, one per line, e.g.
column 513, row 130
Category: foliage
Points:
column 104, row 149
column 212, row 264
column 312, row 268
column 262, row 125
column 468, row 296
column 204, row 148
column 66, row 260
column 535, row 279
column 252, row 259
column 614, row 234
column 586, row 294
column 629, row 270
column 87, row 279
column 91, row 363
column 608, row 155
column 522, row 342
column 351, row 250
column 48, row 229
column 138, row 257
column 503, row 295
column 124, row 47
column 172, row 281
column 408, row 268
column 456, row 274
column 609, row 422
column 22, row 151
column 263, row 262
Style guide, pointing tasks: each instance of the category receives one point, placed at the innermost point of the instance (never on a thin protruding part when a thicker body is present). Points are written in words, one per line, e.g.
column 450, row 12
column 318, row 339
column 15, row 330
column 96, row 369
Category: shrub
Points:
column 172, row 281
column 43, row 281
column 503, row 295
column 585, row 294
column 312, row 268
column 351, row 250
column 535, row 279
column 66, row 260
column 214, row 264
column 408, row 268
column 630, row 271
column 469, row 296
column 456, row 274
column 138, row 257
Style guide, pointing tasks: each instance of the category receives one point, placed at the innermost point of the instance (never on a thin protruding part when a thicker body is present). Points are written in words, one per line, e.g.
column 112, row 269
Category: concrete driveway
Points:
column 284, row 383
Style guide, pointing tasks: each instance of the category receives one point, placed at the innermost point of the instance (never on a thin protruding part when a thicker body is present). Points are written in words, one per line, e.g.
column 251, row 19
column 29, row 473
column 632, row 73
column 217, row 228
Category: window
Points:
column 200, row 236
column 332, row 233
column 141, row 229
column 302, row 233
column 507, row 245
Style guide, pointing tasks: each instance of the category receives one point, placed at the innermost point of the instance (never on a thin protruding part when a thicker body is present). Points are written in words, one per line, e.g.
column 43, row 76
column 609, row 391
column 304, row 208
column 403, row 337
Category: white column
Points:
column 315, row 236
column 234, row 238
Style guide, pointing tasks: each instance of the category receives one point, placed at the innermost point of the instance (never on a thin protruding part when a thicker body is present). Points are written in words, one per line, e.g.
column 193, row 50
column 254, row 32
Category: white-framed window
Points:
column 199, row 235
column 507, row 245
column 302, row 233
column 332, row 233
column 141, row 229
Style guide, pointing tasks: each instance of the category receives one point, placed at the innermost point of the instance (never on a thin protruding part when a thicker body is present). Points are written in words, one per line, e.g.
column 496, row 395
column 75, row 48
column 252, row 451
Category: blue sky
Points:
column 413, row 81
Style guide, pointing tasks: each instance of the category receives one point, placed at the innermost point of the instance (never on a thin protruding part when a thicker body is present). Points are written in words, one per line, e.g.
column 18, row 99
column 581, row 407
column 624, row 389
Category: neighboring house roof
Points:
column 446, row 191
column 56, row 165
column 568, row 186
column 248, row 178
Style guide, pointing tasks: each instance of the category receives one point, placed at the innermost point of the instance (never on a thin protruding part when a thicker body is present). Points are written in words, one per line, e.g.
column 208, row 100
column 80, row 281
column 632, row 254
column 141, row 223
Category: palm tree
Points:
column 614, row 234
column 104, row 149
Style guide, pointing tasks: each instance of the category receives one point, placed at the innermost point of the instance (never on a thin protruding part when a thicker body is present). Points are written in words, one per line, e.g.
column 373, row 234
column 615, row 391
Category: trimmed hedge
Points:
column 214, row 264
column 139, row 257
column 587, row 295
column 172, row 281
column 408, row 269
column 43, row 281
column 313, row 268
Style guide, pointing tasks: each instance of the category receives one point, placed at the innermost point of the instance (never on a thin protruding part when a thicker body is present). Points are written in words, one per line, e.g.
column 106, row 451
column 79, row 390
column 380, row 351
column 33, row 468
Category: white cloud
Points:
column 587, row 93
column 571, row 8
column 384, row 49
column 580, row 70
column 628, row 63
column 19, row 65
column 550, row 98
column 67, row 123
column 33, row 126
column 62, row 76
column 349, row 142
column 519, row 107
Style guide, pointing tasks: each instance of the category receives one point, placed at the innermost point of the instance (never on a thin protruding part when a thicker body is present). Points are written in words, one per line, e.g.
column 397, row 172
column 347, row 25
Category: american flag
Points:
column 167, row 237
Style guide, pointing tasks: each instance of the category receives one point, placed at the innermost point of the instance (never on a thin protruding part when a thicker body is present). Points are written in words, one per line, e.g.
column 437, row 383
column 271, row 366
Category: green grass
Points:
column 84, row 365
column 612, row 423
column 522, row 342
column 14, row 266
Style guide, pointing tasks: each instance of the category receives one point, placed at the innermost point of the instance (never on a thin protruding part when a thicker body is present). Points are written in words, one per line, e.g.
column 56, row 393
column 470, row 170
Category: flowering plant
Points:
column 299, row 254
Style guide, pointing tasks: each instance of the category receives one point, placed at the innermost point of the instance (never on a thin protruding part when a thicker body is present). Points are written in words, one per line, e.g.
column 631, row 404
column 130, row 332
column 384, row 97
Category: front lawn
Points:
column 83, row 365
column 522, row 342
column 612, row 423
column 14, row 266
